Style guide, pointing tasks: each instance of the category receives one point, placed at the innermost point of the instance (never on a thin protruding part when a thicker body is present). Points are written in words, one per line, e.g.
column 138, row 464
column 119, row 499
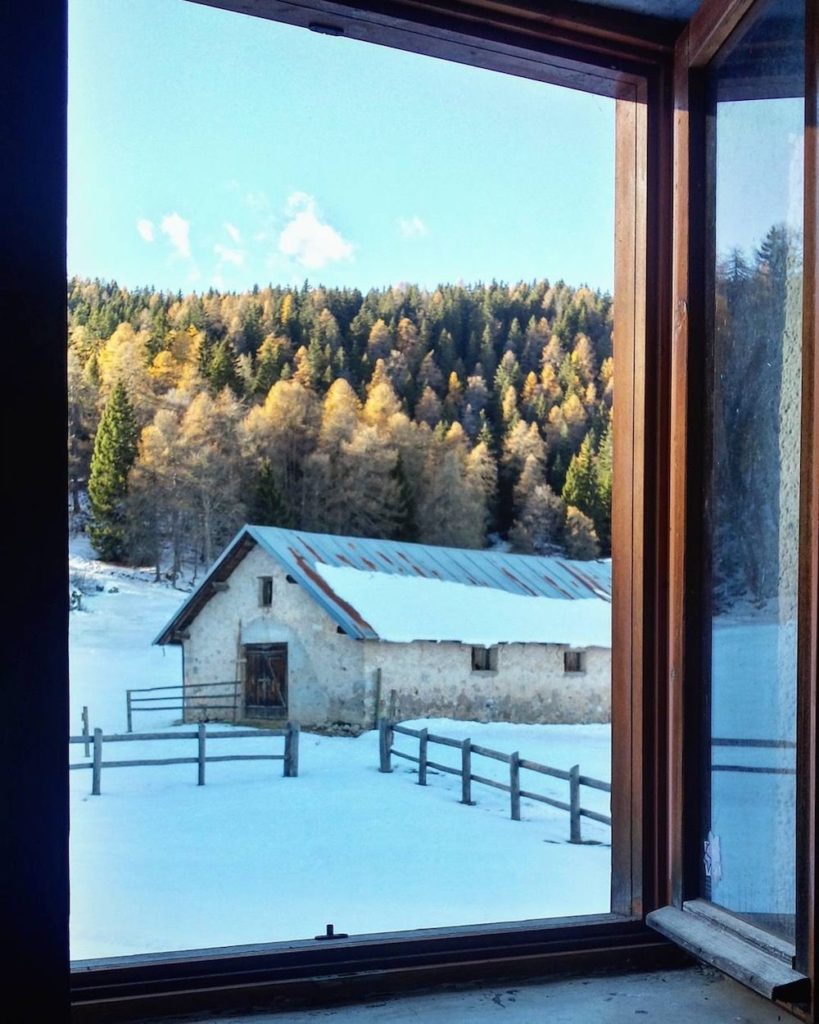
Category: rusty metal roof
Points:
column 298, row 552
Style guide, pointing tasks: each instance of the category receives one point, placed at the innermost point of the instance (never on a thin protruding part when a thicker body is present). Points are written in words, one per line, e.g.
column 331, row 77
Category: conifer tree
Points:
column 428, row 408
column 406, row 525
column 453, row 403
column 222, row 371
column 603, row 472
column 429, row 375
column 267, row 507
column 580, row 488
column 538, row 528
column 268, row 364
column 115, row 449
column 579, row 536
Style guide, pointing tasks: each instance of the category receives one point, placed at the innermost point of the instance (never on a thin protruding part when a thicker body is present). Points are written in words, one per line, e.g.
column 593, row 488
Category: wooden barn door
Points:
column 266, row 680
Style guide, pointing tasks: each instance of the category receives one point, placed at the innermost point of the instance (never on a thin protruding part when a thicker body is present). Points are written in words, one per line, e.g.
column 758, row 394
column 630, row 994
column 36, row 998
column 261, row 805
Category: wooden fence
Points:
column 186, row 700
column 290, row 756
column 468, row 749
column 751, row 744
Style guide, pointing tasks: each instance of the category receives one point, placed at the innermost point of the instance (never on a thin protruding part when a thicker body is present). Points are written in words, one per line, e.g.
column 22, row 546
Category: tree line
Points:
column 440, row 416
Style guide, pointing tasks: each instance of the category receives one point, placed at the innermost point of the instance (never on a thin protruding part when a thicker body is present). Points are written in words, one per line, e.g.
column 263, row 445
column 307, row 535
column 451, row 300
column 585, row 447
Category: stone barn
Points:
column 330, row 630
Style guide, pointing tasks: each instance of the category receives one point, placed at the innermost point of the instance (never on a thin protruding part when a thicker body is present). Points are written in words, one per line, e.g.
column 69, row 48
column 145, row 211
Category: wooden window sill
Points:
column 740, row 950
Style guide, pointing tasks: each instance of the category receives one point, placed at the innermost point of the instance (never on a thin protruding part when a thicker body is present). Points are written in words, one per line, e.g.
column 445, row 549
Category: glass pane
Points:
column 420, row 437
column 756, row 97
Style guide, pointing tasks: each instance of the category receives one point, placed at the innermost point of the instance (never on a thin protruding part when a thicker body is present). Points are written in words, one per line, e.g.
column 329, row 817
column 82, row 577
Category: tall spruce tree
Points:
column 267, row 507
column 581, row 488
column 115, row 449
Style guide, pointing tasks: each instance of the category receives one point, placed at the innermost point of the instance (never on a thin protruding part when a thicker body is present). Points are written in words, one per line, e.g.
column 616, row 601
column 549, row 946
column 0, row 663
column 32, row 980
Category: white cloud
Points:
column 312, row 243
column 298, row 201
column 177, row 231
column 257, row 201
column 226, row 255
column 412, row 227
column 233, row 231
column 145, row 229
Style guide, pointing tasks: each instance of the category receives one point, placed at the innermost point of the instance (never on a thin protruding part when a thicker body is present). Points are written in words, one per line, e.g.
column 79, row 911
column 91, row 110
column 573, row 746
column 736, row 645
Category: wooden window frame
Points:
column 574, row 657
column 626, row 57
column 265, row 591
column 713, row 934
column 490, row 655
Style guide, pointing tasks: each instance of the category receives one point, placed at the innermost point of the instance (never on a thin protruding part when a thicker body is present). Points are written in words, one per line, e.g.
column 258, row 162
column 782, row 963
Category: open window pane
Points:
column 756, row 137
column 382, row 498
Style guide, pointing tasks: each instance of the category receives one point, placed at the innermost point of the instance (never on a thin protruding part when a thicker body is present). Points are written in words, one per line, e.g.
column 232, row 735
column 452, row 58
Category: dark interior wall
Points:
column 34, row 653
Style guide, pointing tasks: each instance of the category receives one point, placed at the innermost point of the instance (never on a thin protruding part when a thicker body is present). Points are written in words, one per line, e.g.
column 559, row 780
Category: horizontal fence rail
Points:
column 134, row 701
column 752, row 744
column 290, row 755
column 387, row 750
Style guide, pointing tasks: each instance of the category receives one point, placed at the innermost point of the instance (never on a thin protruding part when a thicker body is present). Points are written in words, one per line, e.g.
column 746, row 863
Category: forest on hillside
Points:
column 439, row 416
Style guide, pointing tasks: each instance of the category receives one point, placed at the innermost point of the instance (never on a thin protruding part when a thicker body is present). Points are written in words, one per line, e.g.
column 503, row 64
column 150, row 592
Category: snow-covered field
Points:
column 158, row 863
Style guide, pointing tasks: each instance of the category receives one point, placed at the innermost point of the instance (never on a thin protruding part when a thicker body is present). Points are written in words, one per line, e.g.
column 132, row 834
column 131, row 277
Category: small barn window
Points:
column 484, row 659
column 574, row 661
column 265, row 591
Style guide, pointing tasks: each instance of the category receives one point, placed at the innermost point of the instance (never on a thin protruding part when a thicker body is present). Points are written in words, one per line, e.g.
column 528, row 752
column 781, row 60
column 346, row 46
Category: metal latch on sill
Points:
column 331, row 933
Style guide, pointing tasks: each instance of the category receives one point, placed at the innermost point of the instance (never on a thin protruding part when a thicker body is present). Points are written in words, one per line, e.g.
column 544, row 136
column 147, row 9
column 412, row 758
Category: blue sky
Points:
column 213, row 149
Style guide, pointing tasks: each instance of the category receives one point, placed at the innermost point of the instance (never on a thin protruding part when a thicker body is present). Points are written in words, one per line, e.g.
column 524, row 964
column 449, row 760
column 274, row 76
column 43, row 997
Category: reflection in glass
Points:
column 755, row 90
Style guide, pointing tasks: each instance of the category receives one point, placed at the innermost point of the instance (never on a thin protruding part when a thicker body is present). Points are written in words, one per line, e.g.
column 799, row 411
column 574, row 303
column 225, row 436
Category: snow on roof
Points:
column 484, row 579
column 402, row 609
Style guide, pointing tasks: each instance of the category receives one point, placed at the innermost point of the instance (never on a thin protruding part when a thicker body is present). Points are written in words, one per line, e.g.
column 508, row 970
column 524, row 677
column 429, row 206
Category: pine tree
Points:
column 538, row 528
column 267, row 507
column 603, row 469
column 581, row 487
column 406, row 526
column 222, row 371
column 115, row 449
column 428, row 408
column 579, row 536
column 453, row 403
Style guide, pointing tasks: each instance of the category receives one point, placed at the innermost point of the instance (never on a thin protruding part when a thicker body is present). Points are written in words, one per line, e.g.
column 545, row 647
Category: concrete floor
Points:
column 691, row 996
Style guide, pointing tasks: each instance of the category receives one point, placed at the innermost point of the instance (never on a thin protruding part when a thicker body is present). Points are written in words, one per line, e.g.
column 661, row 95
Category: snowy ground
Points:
column 158, row 863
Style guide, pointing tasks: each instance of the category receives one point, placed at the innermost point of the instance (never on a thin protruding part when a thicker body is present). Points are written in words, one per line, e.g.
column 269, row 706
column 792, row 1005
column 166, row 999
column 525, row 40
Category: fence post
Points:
column 201, row 737
column 85, row 733
column 422, row 757
column 466, row 773
column 514, row 784
column 128, row 710
column 291, row 750
column 574, row 804
column 385, row 745
column 96, row 768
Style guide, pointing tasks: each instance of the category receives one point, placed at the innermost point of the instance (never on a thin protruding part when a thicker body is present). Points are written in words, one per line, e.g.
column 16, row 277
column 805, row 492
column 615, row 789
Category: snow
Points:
column 753, row 814
column 160, row 864
column 406, row 608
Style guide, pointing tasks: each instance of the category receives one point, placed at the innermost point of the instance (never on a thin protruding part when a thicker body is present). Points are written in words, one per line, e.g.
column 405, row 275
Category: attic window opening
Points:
column 265, row 591
column 484, row 659
column 574, row 662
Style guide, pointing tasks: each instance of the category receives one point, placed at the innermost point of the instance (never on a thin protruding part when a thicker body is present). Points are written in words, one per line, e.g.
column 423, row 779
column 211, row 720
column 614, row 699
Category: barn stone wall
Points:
column 333, row 678
column 436, row 680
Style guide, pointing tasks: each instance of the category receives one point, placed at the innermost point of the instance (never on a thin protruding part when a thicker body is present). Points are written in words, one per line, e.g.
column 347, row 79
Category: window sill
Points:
column 740, row 950
column 310, row 973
